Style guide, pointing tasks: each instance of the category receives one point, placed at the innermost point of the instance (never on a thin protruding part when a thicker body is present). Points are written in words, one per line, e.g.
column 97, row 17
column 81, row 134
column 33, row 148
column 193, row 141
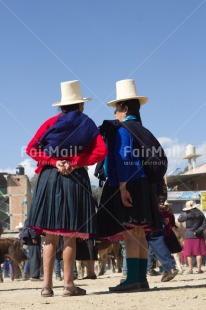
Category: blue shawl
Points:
column 71, row 133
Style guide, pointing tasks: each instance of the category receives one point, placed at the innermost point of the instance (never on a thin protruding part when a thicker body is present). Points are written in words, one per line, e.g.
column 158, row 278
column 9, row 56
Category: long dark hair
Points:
column 133, row 108
column 69, row 108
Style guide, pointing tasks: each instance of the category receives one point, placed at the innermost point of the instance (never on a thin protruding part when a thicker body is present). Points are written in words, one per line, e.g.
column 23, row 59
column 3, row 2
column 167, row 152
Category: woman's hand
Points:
column 60, row 166
column 64, row 167
column 125, row 196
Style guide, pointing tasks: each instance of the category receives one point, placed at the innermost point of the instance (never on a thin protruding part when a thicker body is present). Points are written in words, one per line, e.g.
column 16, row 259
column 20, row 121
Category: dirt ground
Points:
column 183, row 292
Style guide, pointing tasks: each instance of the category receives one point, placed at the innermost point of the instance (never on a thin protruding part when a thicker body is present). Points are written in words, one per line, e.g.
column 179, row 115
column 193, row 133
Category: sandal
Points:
column 47, row 292
column 73, row 291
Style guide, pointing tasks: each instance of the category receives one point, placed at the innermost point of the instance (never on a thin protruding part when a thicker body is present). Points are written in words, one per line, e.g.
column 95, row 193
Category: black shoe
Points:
column 133, row 287
column 1, row 278
column 92, row 277
column 35, row 279
column 153, row 272
column 144, row 285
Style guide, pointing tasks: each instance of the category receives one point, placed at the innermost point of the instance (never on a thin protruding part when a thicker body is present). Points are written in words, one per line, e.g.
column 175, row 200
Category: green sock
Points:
column 142, row 269
column 132, row 271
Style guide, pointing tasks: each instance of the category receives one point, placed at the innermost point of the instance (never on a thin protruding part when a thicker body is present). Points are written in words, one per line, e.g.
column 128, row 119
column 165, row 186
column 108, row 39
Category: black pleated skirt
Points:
column 63, row 205
column 113, row 218
column 86, row 250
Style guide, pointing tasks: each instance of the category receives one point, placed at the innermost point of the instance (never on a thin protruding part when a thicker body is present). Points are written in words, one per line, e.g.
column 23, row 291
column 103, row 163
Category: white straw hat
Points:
column 19, row 226
column 126, row 90
column 190, row 205
column 71, row 94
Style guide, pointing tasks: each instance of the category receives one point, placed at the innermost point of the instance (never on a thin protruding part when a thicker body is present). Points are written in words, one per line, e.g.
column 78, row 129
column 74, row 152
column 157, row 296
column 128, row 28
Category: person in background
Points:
column 62, row 203
column 156, row 239
column 194, row 243
column 124, row 258
column 1, row 255
column 87, row 252
column 35, row 256
column 26, row 264
column 33, row 242
column 152, row 263
column 20, row 227
column 171, row 240
column 58, row 259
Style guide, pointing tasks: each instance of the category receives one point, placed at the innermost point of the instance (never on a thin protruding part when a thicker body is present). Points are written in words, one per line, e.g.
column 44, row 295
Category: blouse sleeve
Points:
column 34, row 147
column 182, row 217
column 127, row 162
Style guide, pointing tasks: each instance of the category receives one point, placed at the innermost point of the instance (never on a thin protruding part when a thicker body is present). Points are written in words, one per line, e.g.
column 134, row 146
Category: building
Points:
column 190, row 185
column 15, row 198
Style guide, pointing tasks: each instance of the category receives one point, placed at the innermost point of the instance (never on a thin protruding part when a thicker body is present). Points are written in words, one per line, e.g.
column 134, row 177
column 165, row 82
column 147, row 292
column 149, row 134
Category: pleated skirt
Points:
column 63, row 205
column 86, row 250
column 113, row 218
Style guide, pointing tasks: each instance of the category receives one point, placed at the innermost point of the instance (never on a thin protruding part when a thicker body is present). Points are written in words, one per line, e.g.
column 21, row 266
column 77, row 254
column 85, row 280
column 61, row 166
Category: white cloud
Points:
column 165, row 141
column 8, row 170
column 175, row 152
column 29, row 166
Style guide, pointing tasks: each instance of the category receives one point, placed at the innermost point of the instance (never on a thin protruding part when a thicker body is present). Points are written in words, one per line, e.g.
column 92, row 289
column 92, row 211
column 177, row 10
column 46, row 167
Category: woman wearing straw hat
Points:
column 194, row 243
column 62, row 203
column 128, row 202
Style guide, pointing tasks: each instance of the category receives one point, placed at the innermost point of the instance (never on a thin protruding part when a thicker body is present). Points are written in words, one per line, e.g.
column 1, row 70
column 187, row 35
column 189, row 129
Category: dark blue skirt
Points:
column 63, row 205
column 113, row 218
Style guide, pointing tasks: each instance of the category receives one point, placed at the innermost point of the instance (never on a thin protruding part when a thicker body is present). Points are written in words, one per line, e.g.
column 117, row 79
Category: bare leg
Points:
column 199, row 261
column 143, row 243
column 136, row 244
column 177, row 260
column 90, row 268
column 49, row 254
column 190, row 262
column 69, row 255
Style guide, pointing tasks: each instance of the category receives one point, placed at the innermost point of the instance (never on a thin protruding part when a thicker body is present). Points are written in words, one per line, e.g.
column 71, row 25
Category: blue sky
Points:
column 161, row 44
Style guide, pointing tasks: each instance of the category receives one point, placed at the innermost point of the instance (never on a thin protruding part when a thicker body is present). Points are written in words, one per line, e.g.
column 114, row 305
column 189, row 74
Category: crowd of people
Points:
column 132, row 210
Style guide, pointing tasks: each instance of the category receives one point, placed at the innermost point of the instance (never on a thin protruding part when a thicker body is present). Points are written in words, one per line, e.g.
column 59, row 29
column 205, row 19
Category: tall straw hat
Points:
column 126, row 90
column 19, row 226
column 190, row 205
column 71, row 94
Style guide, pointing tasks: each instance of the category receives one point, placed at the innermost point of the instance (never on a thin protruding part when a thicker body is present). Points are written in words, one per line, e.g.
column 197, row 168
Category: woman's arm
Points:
column 34, row 148
column 182, row 217
column 201, row 228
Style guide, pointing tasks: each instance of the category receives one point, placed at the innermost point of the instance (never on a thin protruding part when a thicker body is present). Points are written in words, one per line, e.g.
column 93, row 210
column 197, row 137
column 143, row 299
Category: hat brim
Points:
column 56, row 104
column 142, row 100
column 187, row 209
